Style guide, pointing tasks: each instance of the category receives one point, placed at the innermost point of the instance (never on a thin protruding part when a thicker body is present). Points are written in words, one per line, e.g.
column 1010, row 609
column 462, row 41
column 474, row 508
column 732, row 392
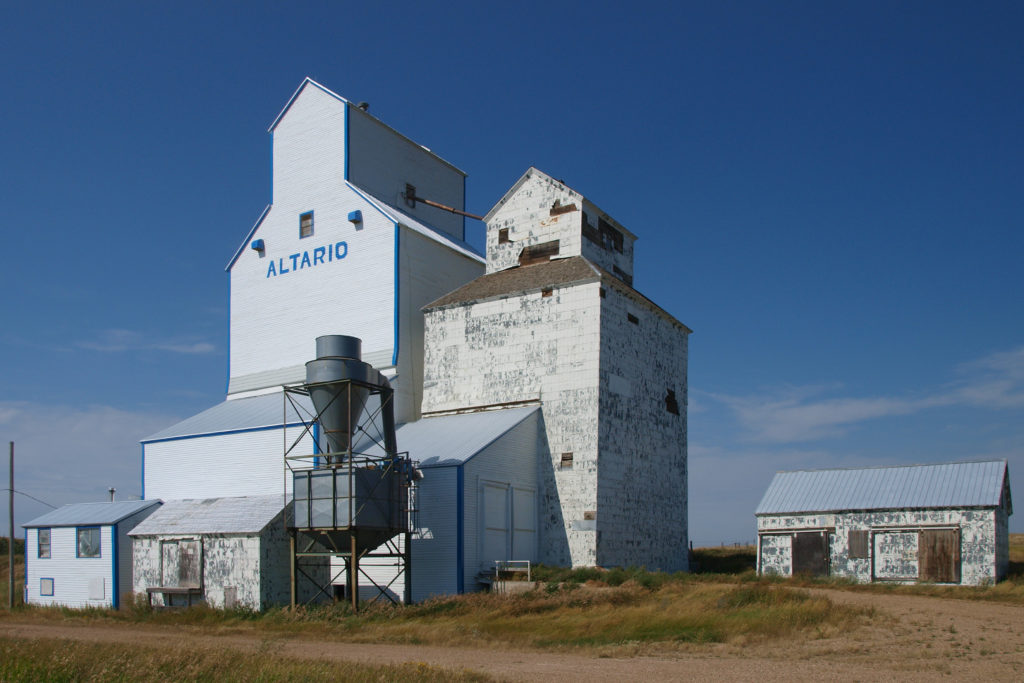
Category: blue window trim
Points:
column 460, row 529
column 312, row 221
column 99, row 531
column 53, row 586
column 47, row 557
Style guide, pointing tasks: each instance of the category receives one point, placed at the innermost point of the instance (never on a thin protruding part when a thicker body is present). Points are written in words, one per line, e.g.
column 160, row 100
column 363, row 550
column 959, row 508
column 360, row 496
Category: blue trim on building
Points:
column 460, row 529
column 271, row 167
column 248, row 237
column 227, row 380
column 316, row 444
column 464, row 208
column 227, row 431
column 397, row 266
column 291, row 100
column 115, row 587
column 345, row 161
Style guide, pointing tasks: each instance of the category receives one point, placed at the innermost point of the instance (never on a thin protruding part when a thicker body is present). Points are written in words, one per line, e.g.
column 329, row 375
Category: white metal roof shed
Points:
column 956, row 484
column 240, row 515
column 90, row 514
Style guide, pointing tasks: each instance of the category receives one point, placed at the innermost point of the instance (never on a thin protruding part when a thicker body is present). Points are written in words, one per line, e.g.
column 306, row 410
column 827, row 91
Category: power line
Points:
column 22, row 493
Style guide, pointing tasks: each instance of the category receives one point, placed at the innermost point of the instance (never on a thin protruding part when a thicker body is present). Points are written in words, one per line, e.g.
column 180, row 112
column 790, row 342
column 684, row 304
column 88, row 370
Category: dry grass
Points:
column 734, row 561
column 558, row 616
column 63, row 660
column 19, row 579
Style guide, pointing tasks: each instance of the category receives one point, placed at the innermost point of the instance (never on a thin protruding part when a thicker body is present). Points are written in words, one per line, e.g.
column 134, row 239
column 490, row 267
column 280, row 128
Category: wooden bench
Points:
column 173, row 590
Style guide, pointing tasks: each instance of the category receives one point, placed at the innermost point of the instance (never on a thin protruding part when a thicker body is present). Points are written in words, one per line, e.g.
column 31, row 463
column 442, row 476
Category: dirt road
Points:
column 913, row 638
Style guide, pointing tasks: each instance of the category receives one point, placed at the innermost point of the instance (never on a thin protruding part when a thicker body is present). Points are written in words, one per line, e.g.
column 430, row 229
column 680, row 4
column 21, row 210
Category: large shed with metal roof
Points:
column 79, row 555
column 943, row 523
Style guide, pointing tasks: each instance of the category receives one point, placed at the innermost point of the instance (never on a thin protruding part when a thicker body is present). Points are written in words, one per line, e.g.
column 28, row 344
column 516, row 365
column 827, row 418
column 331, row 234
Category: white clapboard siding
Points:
column 249, row 463
column 509, row 462
column 72, row 576
column 382, row 162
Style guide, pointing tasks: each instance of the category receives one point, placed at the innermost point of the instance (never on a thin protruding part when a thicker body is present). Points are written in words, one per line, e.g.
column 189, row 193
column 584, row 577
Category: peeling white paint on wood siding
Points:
column 894, row 543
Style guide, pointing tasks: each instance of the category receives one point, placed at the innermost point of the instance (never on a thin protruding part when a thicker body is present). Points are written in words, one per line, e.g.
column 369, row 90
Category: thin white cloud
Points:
column 66, row 454
column 119, row 341
column 800, row 414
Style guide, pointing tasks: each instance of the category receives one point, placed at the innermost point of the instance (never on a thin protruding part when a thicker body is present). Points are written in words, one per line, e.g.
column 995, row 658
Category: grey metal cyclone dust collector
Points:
column 351, row 499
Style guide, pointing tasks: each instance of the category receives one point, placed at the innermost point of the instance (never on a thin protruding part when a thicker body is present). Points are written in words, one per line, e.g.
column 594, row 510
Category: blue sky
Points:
column 830, row 195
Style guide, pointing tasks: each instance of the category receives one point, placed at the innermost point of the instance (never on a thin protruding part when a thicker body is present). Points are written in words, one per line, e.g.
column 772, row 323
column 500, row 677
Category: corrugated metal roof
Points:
column 91, row 514
column 956, row 484
column 453, row 439
column 238, row 414
column 243, row 515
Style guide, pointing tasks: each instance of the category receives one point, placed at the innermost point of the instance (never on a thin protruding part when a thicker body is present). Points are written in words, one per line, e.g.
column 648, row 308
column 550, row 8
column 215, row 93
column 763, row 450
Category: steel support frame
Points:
column 304, row 540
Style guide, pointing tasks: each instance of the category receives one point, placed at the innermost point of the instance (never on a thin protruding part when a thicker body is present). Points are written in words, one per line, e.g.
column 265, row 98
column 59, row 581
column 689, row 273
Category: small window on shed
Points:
column 671, row 405
column 566, row 463
column 503, row 236
column 88, row 541
column 46, row 587
column 858, row 549
column 306, row 224
column 43, row 549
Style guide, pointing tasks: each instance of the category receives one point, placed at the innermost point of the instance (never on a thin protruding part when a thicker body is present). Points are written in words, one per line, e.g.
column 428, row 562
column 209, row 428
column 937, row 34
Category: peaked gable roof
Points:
column 534, row 171
column 306, row 82
column 945, row 485
column 91, row 514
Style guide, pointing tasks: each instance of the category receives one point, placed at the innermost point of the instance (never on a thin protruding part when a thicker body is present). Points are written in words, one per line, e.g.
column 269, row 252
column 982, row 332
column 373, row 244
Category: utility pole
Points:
column 10, row 537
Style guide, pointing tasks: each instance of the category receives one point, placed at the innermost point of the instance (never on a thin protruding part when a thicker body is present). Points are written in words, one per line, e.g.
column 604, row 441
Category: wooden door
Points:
column 938, row 555
column 810, row 553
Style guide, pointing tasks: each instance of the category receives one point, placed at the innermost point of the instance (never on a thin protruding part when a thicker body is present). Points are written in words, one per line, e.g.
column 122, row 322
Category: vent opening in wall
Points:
column 671, row 404
column 566, row 462
column 503, row 236
column 546, row 292
column 306, row 224
column 538, row 253
column 558, row 210
column 632, row 318
column 410, row 196
column 603, row 293
column 590, row 515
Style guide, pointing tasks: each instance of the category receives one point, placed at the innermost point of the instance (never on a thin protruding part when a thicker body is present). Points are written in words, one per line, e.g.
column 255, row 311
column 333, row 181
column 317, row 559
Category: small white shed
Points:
column 943, row 523
column 80, row 555
column 226, row 552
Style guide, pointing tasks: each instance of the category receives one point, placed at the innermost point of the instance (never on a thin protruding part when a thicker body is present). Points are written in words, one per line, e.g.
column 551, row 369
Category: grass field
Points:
column 23, row 660
column 600, row 611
